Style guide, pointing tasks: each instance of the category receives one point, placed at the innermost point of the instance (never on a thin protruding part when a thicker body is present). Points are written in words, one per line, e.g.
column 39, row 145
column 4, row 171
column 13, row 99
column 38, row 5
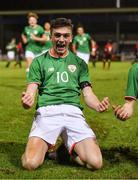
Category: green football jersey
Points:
column 132, row 84
column 33, row 46
column 48, row 43
column 59, row 79
column 82, row 43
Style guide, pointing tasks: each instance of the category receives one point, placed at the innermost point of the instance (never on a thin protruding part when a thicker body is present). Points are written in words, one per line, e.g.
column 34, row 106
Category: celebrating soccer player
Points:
column 59, row 75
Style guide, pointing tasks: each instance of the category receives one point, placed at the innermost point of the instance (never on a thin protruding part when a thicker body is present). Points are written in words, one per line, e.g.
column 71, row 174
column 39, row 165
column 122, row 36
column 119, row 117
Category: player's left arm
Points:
column 74, row 49
column 43, row 38
column 24, row 38
column 126, row 111
column 92, row 100
column 74, row 45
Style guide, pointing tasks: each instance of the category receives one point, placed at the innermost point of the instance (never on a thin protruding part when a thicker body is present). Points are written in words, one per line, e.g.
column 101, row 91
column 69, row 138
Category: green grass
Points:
column 118, row 140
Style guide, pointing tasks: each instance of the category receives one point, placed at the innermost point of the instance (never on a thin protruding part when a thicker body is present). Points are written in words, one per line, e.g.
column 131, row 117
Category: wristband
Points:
column 85, row 84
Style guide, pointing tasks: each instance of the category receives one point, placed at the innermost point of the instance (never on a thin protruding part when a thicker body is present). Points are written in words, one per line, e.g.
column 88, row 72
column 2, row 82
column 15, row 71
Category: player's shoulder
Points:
column 77, row 37
column 75, row 57
column 134, row 67
column 39, row 26
column 43, row 53
column 134, row 70
column 41, row 57
column 87, row 34
column 26, row 27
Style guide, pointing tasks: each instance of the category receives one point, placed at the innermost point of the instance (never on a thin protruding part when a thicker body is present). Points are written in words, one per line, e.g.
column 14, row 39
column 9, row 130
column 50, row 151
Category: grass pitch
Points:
column 118, row 140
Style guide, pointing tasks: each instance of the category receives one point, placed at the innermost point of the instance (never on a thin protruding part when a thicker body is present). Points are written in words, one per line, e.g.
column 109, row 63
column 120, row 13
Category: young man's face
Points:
column 61, row 38
column 47, row 26
column 32, row 21
column 80, row 30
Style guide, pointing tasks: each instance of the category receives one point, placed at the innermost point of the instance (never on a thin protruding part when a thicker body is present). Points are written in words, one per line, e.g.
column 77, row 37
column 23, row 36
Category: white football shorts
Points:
column 66, row 120
column 84, row 56
column 29, row 54
column 11, row 55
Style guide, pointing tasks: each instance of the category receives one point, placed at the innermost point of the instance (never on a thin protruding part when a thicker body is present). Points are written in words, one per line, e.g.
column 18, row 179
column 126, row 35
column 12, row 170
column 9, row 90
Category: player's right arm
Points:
column 74, row 45
column 28, row 97
column 74, row 48
column 24, row 38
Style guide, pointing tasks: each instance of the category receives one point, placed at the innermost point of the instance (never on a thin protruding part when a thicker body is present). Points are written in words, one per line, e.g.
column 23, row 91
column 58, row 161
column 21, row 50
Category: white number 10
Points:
column 62, row 76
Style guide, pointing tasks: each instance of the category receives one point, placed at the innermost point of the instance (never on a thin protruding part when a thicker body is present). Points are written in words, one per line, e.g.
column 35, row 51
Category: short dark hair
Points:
column 80, row 26
column 61, row 22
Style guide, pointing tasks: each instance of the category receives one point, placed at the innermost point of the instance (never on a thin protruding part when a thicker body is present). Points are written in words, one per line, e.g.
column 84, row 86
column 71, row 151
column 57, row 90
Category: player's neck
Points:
column 34, row 26
column 81, row 34
column 54, row 54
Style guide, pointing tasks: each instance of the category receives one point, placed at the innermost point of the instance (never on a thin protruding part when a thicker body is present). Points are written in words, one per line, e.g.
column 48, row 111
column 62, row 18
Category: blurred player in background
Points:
column 48, row 43
column 33, row 37
column 126, row 111
column 59, row 76
column 11, row 51
column 19, row 54
column 82, row 44
column 94, row 53
column 107, row 55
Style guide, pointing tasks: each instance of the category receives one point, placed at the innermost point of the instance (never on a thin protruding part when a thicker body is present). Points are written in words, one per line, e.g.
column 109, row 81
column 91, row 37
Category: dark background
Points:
column 61, row 4
column 101, row 22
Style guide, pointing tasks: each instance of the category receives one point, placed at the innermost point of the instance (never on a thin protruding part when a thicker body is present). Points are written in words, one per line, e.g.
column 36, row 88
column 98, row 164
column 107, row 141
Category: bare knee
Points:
column 78, row 160
column 34, row 156
column 94, row 164
column 30, row 163
column 89, row 153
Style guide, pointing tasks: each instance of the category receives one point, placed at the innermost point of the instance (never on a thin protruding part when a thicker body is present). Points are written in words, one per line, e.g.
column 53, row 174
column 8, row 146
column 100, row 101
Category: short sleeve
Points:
column 24, row 31
column 35, row 74
column 89, row 37
column 84, row 73
column 132, row 83
column 74, row 40
column 42, row 30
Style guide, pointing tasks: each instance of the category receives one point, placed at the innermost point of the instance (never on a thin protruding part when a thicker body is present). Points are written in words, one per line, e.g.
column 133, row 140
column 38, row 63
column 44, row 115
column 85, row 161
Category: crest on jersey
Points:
column 72, row 68
column 35, row 32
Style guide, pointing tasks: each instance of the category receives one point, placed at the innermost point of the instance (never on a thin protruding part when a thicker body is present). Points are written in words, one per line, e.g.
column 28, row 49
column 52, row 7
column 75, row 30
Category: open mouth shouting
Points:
column 60, row 47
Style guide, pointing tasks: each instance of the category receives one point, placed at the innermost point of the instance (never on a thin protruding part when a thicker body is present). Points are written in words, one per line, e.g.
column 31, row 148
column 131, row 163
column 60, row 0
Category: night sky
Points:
column 62, row 4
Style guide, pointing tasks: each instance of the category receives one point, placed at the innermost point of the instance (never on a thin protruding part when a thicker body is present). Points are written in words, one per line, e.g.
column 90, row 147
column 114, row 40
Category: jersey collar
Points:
column 51, row 52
